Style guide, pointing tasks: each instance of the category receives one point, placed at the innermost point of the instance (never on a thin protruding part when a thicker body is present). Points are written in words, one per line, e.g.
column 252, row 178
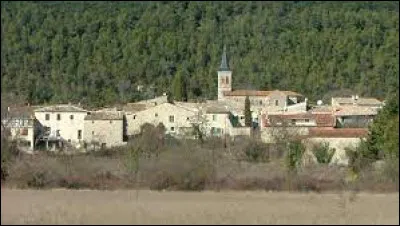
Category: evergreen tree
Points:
column 179, row 87
column 85, row 51
column 247, row 112
column 384, row 131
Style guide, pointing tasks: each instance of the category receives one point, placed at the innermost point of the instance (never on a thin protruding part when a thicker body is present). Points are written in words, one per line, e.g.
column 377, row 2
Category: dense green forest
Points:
column 98, row 52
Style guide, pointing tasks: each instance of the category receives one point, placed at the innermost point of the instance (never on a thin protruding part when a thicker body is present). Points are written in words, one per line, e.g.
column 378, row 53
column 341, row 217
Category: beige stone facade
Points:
column 176, row 119
column 64, row 121
column 23, row 129
column 104, row 129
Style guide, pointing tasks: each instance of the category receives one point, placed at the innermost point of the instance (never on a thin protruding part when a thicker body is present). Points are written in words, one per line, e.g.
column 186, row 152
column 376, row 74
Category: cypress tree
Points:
column 247, row 112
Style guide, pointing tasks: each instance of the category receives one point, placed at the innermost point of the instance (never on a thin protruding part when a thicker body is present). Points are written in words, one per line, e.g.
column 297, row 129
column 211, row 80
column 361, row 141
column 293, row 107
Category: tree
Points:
column 179, row 87
column 323, row 153
column 312, row 51
column 247, row 112
column 384, row 134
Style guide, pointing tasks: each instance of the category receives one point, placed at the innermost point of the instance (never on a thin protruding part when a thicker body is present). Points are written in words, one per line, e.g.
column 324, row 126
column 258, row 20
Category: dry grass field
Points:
column 227, row 207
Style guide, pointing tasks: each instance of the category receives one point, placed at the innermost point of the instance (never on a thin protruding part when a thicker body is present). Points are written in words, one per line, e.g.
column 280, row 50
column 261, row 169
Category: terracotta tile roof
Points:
column 21, row 111
column 322, row 120
column 247, row 93
column 104, row 116
column 338, row 132
column 354, row 110
column 291, row 93
column 60, row 108
column 321, row 109
column 258, row 93
column 217, row 110
column 134, row 107
column 359, row 101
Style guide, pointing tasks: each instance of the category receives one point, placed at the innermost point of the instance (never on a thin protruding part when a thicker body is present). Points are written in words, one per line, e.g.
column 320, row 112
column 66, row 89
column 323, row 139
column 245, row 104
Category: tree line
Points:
column 97, row 53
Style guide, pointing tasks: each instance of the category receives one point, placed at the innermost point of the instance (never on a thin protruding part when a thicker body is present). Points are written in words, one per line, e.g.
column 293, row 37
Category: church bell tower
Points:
column 224, row 77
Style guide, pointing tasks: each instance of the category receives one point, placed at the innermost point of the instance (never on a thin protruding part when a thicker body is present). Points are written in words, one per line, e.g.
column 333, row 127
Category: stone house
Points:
column 355, row 100
column 64, row 123
column 104, row 129
column 176, row 119
column 22, row 125
column 217, row 121
column 354, row 116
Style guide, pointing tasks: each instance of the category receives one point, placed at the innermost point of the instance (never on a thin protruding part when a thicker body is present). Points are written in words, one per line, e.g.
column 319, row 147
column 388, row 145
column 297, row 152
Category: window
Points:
column 260, row 102
column 214, row 117
column 79, row 134
column 110, row 121
column 134, row 116
column 227, row 80
column 58, row 117
column 71, row 117
column 156, row 115
column 293, row 121
column 222, row 80
column 58, row 133
column 103, row 145
column 69, row 140
column 47, row 117
column 187, row 118
column 276, row 102
column 88, row 113
column 307, row 120
column 92, row 121
column 171, row 118
column 24, row 131
column 92, row 132
column 172, row 128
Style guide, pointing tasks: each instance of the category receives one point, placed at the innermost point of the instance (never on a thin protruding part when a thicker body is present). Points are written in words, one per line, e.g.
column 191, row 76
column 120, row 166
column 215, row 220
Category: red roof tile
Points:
column 258, row 93
column 338, row 132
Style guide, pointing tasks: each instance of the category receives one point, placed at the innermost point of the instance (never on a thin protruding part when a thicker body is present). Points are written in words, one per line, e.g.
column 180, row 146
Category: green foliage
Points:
column 383, row 140
column 179, row 87
column 323, row 153
column 247, row 112
column 97, row 52
column 359, row 157
column 294, row 154
column 8, row 153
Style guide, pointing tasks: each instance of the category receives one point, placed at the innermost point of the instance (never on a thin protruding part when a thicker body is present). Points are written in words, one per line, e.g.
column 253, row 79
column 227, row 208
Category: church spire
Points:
column 224, row 63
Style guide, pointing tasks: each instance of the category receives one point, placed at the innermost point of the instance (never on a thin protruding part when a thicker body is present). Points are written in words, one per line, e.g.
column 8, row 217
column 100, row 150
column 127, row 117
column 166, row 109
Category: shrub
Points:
column 358, row 157
column 256, row 152
column 162, row 180
column 323, row 153
column 9, row 152
column 73, row 182
column 38, row 180
column 294, row 154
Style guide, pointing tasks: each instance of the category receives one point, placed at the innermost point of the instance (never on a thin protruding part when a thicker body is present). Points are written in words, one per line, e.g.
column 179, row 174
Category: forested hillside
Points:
column 98, row 52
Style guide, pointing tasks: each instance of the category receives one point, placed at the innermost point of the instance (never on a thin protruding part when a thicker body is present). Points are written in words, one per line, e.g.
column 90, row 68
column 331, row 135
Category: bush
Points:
column 323, row 153
column 162, row 180
column 359, row 157
column 256, row 152
column 73, row 182
column 195, row 179
column 294, row 155
column 9, row 152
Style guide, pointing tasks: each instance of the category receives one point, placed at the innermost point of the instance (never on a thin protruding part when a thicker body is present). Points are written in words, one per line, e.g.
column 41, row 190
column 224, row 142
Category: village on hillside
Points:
column 341, row 123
